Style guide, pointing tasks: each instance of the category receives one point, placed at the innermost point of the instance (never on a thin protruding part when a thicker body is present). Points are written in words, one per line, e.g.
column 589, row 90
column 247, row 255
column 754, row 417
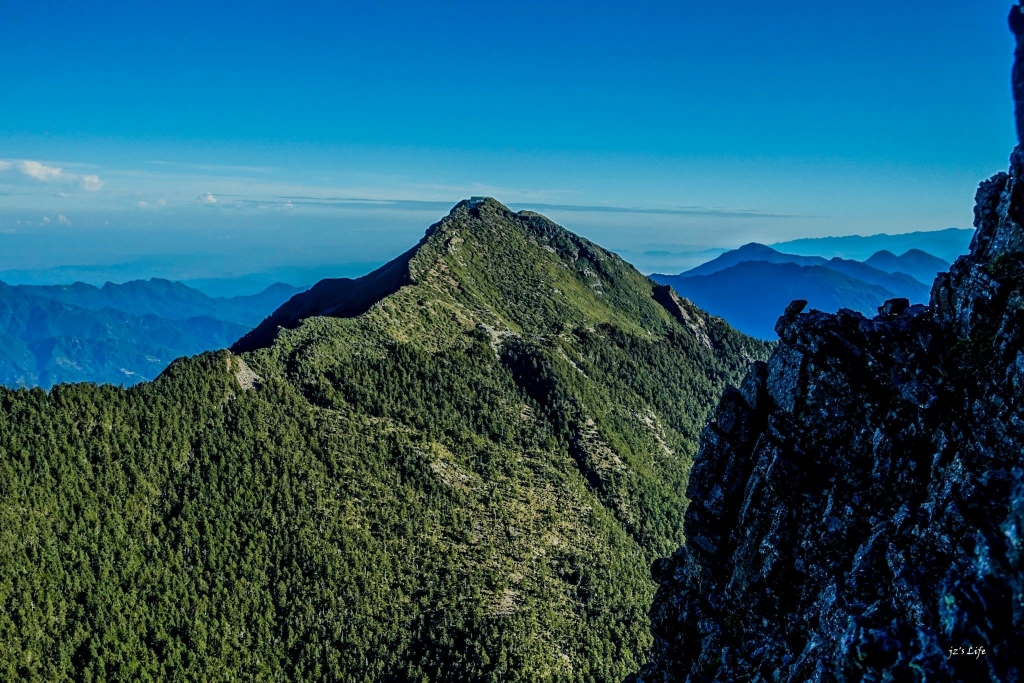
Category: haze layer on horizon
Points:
column 239, row 138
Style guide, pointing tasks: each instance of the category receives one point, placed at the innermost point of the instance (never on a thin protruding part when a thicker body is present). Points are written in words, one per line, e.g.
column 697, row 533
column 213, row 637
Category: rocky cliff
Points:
column 857, row 504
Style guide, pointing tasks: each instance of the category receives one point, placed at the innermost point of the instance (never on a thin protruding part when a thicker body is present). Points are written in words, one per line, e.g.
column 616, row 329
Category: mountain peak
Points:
column 479, row 208
column 351, row 297
column 757, row 247
column 752, row 251
column 490, row 265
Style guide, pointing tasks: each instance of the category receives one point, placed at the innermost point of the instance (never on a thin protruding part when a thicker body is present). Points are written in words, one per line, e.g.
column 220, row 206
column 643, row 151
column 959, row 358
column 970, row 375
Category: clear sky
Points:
column 253, row 135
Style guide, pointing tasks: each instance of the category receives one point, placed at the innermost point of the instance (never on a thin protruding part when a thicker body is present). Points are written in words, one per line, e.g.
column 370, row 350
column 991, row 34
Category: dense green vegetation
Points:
column 466, row 482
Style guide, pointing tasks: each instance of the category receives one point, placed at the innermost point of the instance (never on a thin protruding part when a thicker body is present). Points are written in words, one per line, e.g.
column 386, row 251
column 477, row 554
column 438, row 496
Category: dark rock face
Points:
column 857, row 505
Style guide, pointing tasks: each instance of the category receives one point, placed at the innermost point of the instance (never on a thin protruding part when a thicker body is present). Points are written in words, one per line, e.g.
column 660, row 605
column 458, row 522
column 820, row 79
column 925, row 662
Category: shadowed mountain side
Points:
column 336, row 298
column 750, row 294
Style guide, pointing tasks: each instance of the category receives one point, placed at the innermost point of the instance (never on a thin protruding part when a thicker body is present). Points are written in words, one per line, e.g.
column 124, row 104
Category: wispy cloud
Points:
column 290, row 202
column 421, row 204
column 38, row 171
column 678, row 211
column 241, row 194
column 213, row 167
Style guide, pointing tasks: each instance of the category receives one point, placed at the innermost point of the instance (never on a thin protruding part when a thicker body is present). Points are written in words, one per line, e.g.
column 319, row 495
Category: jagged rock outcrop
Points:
column 692, row 320
column 857, row 505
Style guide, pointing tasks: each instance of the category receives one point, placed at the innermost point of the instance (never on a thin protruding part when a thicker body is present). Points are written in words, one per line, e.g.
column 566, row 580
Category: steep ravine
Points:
column 857, row 505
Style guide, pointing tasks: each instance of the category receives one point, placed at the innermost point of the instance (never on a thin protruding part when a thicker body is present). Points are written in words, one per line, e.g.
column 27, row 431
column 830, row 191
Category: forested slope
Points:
column 465, row 481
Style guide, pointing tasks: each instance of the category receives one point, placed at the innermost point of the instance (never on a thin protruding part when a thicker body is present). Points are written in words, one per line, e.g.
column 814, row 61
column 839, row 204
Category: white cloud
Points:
column 63, row 220
column 143, row 205
column 161, row 202
column 91, row 183
column 52, row 174
column 34, row 169
column 208, row 198
column 46, row 220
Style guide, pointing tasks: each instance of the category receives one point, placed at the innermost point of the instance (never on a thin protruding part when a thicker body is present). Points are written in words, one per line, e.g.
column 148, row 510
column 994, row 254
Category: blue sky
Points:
column 252, row 135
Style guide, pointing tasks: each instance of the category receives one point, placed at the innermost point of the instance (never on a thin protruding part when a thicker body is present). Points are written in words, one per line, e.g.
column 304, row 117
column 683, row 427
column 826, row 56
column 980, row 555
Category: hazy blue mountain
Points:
column 753, row 252
column 166, row 299
column 670, row 259
column 185, row 271
column 297, row 276
column 119, row 334
column 125, row 361
column 946, row 244
column 17, row 364
column 899, row 283
column 914, row 262
column 91, row 274
column 753, row 294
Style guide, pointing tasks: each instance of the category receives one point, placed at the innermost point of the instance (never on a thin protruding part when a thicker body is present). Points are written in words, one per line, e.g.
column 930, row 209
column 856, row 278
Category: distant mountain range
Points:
column 126, row 333
column 920, row 265
column 117, row 333
column 945, row 244
column 177, row 269
column 752, row 285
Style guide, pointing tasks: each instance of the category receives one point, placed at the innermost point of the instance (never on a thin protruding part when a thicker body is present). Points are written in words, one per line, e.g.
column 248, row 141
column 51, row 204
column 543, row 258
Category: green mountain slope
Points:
column 467, row 480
